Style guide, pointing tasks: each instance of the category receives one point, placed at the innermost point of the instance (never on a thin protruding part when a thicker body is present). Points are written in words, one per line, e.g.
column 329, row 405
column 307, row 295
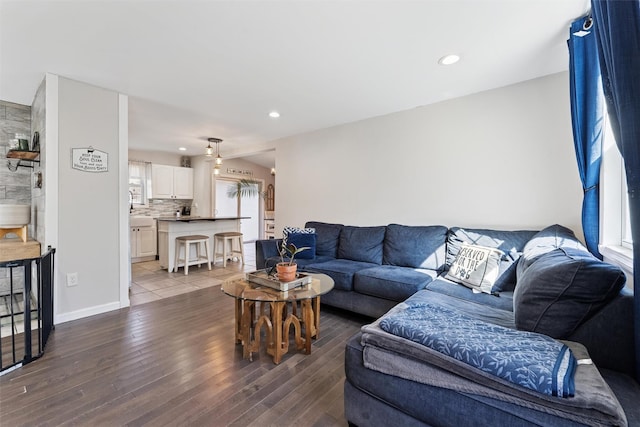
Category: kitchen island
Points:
column 170, row 227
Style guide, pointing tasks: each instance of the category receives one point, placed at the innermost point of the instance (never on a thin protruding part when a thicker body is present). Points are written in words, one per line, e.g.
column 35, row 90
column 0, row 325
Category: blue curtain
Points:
column 587, row 114
column 618, row 35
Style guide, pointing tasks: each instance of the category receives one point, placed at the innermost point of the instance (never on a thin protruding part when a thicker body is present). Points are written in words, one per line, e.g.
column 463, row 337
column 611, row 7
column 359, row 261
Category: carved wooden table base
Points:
column 258, row 307
column 277, row 326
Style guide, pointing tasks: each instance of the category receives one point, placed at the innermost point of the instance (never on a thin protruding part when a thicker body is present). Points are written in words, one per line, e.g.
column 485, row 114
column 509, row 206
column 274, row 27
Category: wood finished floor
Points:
column 174, row 362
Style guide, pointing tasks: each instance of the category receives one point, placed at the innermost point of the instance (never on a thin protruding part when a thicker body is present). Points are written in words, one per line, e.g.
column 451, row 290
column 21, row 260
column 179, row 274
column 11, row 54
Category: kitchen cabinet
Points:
column 143, row 240
column 171, row 182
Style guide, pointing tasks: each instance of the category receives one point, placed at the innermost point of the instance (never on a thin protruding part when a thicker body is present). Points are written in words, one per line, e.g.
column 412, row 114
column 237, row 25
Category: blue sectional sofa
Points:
column 546, row 282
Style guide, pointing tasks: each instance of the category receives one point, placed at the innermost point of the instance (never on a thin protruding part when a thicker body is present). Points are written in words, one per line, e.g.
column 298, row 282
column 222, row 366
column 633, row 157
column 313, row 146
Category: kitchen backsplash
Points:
column 160, row 207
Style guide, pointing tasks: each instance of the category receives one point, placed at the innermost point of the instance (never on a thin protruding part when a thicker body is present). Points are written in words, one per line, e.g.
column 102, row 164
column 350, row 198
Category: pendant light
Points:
column 209, row 153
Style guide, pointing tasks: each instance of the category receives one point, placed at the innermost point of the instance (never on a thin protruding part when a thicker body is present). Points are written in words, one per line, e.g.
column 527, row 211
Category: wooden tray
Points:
column 262, row 277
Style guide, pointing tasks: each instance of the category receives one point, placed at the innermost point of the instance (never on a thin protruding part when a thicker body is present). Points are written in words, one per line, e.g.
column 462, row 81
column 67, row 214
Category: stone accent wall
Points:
column 15, row 187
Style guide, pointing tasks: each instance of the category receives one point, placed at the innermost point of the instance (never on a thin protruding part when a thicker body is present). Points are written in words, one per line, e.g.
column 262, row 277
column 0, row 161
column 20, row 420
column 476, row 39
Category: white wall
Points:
column 500, row 159
column 90, row 208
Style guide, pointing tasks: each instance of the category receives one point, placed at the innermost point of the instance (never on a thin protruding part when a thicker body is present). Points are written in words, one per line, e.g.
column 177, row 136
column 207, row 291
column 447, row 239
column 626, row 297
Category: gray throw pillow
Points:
column 562, row 289
column 511, row 243
column 476, row 267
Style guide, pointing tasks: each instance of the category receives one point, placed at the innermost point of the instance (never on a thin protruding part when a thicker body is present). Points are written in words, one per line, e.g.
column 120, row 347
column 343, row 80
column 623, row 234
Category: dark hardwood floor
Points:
column 174, row 362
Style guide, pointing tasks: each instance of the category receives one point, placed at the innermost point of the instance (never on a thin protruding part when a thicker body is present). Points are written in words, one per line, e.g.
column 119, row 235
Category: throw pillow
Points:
column 562, row 289
column 476, row 267
column 510, row 242
column 288, row 230
column 304, row 240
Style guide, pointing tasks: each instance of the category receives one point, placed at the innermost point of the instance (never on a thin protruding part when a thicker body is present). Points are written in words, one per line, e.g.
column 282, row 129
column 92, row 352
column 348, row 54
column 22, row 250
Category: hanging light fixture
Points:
column 209, row 153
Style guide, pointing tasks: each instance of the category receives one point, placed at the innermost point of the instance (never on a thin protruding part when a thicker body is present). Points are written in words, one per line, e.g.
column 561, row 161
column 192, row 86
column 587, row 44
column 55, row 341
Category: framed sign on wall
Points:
column 89, row 160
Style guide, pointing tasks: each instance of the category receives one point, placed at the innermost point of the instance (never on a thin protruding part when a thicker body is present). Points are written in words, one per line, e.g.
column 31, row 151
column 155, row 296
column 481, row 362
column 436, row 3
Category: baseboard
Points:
column 85, row 312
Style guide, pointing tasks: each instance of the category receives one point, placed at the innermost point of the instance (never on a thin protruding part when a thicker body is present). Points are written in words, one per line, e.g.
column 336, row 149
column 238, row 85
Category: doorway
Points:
column 246, row 206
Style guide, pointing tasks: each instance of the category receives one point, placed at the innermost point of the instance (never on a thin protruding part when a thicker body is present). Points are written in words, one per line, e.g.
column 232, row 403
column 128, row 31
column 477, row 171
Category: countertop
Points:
column 13, row 249
column 186, row 218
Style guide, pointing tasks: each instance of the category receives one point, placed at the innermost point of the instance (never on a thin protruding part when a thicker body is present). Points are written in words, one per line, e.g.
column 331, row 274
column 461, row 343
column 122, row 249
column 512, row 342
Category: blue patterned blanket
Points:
column 530, row 360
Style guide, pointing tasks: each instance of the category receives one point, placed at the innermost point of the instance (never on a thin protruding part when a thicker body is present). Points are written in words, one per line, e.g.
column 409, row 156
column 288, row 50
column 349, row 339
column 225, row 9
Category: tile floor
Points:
column 149, row 282
column 15, row 324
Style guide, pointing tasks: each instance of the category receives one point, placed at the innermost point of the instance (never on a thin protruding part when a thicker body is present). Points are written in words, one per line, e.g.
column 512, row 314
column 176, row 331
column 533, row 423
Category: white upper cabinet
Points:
column 170, row 182
column 162, row 181
column 183, row 183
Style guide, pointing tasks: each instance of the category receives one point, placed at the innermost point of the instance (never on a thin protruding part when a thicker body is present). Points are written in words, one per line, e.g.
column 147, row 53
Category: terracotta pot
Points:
column 286, row 272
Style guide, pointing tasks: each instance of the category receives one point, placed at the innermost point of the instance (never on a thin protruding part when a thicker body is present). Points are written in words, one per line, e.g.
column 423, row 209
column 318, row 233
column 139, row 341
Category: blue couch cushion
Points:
column 362, row 244
column 303, row 240
column 512, row 243
column 475, row 309
column 545, row 241
column 391, row 282
column 415, row 246
column 503, row 300
column 340, row 270
column 562, row 289
column 327, row 238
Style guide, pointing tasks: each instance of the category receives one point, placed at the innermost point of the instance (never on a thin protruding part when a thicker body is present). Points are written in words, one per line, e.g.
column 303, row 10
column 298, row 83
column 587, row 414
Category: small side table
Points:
column 252, row 299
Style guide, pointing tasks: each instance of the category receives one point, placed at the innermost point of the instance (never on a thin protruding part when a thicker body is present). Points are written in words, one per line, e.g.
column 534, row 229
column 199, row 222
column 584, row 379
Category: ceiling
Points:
column 199, row 69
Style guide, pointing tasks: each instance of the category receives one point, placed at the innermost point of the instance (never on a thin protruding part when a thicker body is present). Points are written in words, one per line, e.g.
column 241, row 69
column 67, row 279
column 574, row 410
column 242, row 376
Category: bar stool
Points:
column 222, row 239
column 187, row 241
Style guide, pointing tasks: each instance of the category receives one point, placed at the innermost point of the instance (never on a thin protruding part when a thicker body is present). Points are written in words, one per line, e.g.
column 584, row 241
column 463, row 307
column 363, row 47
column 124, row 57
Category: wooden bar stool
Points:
column 221, row 239
column 187, row 241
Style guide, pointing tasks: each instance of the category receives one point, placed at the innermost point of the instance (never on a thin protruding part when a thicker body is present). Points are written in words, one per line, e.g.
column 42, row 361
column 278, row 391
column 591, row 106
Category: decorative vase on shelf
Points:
column 286, row 271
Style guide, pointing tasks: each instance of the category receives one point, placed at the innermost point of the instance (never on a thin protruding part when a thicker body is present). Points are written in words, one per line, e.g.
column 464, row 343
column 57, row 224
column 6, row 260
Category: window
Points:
column 615, row 231
column 619, row 184
column 139, row 182
column 626, row 237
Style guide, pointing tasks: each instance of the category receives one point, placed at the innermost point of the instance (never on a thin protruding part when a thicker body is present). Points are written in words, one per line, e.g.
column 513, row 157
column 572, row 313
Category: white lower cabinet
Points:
column 143, row 243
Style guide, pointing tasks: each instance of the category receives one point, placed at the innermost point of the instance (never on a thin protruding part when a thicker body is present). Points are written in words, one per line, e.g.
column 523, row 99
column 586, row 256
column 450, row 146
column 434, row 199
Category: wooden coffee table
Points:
column 259, row 306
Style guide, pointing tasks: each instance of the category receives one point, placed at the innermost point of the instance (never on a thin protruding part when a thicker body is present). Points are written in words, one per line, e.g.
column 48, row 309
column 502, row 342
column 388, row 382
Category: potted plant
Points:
column 246, row 188
column 287, row 269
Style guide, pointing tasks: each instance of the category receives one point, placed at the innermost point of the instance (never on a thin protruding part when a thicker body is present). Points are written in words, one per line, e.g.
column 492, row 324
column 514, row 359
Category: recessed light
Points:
column 448, row 59
column 182, row 149
column 274, row 114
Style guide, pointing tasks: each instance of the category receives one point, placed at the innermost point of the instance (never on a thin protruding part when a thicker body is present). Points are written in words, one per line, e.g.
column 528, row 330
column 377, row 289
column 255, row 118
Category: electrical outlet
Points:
column 72, row 279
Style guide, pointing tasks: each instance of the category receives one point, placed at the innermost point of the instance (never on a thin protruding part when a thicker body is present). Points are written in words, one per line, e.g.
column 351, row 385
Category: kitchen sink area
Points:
column 141, row 221
column 143, row 238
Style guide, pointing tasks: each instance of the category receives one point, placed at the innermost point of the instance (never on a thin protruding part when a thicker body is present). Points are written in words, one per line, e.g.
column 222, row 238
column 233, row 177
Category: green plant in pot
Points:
column 287, row 269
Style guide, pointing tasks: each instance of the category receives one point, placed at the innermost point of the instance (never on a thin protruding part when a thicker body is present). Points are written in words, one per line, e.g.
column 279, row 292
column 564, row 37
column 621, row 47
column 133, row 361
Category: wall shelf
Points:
column 27, row 156
column 23, row 155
